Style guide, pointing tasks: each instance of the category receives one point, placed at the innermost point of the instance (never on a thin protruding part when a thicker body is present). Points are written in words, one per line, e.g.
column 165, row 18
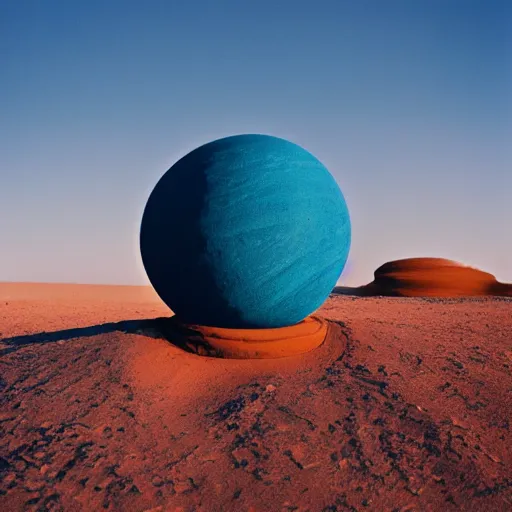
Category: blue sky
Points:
column 408, row 103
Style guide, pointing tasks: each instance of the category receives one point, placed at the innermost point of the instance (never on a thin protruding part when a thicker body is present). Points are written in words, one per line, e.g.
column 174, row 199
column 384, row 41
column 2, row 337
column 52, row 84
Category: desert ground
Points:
column 406, row 406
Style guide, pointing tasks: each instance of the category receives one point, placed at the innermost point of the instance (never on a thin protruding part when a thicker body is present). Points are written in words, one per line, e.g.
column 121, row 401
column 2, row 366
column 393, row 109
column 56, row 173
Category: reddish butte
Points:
column 405, row 406
column 430, row 277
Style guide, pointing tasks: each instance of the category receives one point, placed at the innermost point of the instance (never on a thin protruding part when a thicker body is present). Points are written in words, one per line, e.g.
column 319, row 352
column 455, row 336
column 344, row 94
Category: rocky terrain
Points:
column 405, row 407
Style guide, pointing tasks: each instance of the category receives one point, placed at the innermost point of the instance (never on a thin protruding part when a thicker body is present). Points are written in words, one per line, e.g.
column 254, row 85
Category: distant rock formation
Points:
column 429, row 277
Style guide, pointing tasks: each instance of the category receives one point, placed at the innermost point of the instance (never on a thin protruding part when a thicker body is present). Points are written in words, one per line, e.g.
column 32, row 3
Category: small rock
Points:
column 270, row 388
column 33, row 486
column 494, row 458
column 20, row 466
column 9, row 478
column 157, row 481
column 458, row 423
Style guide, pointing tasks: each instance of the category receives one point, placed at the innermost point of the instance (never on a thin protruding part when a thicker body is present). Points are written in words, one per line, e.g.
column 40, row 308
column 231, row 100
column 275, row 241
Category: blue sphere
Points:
column 249, row 231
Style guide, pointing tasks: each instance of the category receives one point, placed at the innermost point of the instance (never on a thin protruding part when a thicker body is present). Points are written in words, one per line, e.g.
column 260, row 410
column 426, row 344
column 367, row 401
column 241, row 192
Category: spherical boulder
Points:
column 248, row 231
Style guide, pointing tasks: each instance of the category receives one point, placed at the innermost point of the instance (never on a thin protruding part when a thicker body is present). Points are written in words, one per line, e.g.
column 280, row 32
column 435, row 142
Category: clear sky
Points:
column 408, row 103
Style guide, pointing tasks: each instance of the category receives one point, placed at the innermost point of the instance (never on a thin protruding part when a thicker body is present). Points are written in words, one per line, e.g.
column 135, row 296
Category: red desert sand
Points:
column 406, row 406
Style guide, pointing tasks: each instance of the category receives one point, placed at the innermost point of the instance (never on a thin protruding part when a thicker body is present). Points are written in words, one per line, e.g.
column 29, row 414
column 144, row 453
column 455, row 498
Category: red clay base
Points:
column 250, row 343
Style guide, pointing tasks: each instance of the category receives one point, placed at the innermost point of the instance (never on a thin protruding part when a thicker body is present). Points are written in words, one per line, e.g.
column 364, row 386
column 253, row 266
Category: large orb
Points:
column 248, row 231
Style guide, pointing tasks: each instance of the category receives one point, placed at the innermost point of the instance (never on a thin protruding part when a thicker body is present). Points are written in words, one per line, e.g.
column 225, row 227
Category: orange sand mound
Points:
column 430, row 277
column 405, row 406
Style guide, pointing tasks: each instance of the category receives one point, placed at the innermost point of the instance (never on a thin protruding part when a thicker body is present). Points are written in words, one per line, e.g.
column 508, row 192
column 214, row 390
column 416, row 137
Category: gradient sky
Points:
column 408, row 103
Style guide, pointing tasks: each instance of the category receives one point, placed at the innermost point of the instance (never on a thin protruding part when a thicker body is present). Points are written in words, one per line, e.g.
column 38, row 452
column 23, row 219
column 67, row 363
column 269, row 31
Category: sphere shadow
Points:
column 170, row 266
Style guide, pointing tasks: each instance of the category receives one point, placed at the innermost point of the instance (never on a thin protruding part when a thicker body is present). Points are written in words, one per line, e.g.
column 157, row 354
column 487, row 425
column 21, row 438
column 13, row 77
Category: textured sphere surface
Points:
column 249, row 231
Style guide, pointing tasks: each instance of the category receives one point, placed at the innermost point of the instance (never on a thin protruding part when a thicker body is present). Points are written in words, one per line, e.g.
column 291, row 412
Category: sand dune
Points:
column 429, row 277
column 405, row 406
